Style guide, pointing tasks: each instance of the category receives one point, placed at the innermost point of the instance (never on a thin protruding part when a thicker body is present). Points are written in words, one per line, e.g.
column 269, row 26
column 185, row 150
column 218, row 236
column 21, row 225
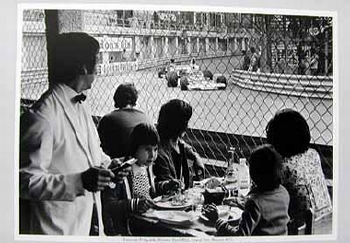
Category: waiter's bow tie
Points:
column 80, row 98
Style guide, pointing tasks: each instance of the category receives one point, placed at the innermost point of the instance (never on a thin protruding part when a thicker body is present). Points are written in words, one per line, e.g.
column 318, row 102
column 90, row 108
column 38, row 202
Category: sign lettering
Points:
column 109, row 44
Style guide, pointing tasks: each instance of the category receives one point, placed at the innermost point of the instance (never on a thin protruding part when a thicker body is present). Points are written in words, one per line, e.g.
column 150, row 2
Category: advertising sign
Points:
column 109, row 44
column 108, row 69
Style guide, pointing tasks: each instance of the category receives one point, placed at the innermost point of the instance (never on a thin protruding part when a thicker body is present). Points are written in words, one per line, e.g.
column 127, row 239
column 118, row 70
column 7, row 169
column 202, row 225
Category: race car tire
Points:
column 207, row 74
column 172, row 79
column 184, row 83
column 222, row 79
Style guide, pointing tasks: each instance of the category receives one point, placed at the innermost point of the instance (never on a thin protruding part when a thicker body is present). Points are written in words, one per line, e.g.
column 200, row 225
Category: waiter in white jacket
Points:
column 62, row 165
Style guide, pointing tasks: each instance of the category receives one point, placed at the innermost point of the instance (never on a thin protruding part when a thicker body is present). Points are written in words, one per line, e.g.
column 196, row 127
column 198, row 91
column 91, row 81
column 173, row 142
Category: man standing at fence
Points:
column 61, row 170
column 254, row 60
column 246, row 60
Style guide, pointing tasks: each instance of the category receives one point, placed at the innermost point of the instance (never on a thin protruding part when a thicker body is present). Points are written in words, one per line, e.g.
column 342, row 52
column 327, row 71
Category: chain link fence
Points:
column 235, row 69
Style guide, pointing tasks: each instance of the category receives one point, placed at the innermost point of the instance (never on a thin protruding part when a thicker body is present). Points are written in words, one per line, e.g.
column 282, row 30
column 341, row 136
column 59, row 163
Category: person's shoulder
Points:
column 43, row 106
column 281, row 189
column 283, row 193
column 138, row 111
column 163, row 152
column 112, row 116
column 254, row 194
column 40, row 114
column 311, row 151
column 253, row 200
column 309, row 155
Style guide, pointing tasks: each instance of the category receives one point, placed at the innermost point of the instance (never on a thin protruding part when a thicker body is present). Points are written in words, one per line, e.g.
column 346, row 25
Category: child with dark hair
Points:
column 302, row 173
column 135, row 193
column 266, row 207
column 172, row 168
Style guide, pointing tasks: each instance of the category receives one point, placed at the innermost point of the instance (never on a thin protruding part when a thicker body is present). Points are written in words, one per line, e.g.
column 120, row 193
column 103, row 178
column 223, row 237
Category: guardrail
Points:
column 288, row 84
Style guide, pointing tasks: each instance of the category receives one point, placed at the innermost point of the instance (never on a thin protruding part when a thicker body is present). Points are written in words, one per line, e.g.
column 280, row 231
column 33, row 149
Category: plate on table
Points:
column 175, row 217
column 226, row 213
column 169, row 203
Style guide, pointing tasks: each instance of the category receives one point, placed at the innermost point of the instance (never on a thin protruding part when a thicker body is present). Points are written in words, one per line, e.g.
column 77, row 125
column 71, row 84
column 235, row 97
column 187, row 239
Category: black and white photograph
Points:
column 183, row 123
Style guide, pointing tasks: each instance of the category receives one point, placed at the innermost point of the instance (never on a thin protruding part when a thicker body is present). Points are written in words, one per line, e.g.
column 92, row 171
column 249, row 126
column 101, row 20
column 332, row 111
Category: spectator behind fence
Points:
column 302, row 173
column 266, row 207
column 314, row 61
column 61, row 160
column 115, row 128
column 172, row 168
column 302, row 64
column 135, row 193
column 254, row 60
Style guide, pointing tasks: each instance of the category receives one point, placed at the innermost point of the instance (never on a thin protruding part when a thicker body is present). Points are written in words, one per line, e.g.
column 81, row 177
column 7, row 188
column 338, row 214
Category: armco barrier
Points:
column 288, row 84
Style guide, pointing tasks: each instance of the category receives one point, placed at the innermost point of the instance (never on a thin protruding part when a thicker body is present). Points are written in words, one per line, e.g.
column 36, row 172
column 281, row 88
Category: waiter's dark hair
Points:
column 73, row 54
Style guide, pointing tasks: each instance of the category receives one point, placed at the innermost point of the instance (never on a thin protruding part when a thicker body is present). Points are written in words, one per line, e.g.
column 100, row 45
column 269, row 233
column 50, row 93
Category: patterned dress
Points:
column 303, row 177
column 140, row 182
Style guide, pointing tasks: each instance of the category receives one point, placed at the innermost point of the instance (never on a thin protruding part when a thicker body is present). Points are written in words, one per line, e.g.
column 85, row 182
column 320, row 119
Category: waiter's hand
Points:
column 115, row 163
column 96, row 178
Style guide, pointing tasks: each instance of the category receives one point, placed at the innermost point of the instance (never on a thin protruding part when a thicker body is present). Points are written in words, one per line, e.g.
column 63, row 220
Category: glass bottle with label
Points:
column 231, row 173
column 243, row 176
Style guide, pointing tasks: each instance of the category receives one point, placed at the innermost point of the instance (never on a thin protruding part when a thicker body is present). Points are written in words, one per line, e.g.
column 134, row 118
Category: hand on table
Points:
column 211, row 212
column 172, row 185
column 238, row 201
column 96, row 178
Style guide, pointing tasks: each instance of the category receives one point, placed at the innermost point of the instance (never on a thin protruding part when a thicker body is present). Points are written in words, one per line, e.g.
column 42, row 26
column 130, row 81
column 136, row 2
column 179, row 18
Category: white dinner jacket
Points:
column 53, row 156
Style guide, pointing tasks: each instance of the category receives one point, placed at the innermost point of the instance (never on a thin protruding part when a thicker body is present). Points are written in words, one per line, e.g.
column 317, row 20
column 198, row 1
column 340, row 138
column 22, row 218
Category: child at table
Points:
column 266, row 207
column 134, row 194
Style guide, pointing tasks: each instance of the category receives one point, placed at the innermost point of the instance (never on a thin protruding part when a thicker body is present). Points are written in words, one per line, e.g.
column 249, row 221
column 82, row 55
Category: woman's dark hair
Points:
column 173, row 119
column 125, row 94
column 288, row 132
column 265, row 167
column 71, row 53
column 143, row 134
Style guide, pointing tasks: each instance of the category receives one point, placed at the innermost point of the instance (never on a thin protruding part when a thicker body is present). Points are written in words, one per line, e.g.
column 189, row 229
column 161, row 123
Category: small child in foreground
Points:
column 134, row 195
column 266, row 207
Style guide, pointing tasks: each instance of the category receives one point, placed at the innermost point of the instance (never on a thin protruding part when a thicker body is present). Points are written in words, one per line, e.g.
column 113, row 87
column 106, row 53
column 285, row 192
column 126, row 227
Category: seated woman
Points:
column 134, row 194
column 172, row 163
column 266, row 208
column 302, row 173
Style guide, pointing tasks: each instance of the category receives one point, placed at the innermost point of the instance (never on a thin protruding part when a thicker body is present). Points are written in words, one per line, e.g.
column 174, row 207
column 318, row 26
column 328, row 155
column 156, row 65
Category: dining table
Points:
column 184, row 220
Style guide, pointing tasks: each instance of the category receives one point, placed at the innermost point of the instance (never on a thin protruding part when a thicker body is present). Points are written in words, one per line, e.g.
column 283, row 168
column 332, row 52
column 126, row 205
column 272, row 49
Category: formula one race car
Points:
column 199, row 80
column 196, row 80
column 178, row 68
column 189, row 77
